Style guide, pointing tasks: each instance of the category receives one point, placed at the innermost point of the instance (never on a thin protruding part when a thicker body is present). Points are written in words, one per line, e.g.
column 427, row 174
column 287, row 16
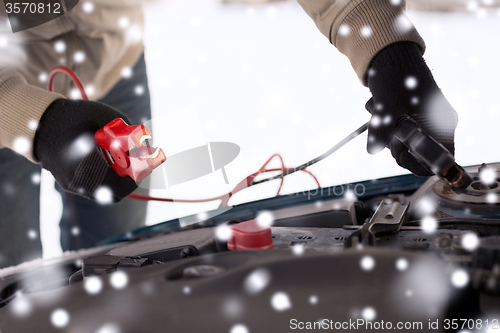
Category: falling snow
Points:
column 459, row 278
column 367, row 263
column 429, row 224
column 281, row 302
column 104, row 195
column 3, row 42
column 21, row 145
column 344, row 30
column 186, row 290
column 239, row 328
column 265, row 219
column 32, row 234
column 223, row 233
column 313, row 299
column 20, row 306
column 126, row 72
column 92, row 285
column 139, row 90
column 403, row 24
column 491, row 198
column 36, row 178
column 118, row 280
column 79, row 57
column 59, row 318
column 488, row 176
column 88, row 7
column 411, row 82
column 123, row 22
column 60, row 46
column 109, row 328
column 75, row 94
column 42, row 77
column 375, row 121
column 81, row 147
column 298, row 249
column 366, row 31
column 257, row 281
column 369, row 313
column 470, row 241
column 402, row 264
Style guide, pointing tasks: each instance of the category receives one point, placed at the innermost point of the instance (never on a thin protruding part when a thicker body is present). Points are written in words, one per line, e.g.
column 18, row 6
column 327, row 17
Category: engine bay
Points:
column 399, row 250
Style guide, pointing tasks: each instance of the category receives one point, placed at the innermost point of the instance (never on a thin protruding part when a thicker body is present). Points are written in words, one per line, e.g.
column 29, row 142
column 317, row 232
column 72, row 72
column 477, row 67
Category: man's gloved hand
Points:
column 401, row 83
column 65, row 145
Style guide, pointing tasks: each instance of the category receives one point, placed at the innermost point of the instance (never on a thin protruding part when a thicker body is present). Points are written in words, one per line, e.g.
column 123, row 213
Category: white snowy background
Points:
column 262, row 76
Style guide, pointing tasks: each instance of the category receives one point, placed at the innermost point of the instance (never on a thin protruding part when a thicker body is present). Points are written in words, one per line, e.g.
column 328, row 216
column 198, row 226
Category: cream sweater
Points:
column 98, row 44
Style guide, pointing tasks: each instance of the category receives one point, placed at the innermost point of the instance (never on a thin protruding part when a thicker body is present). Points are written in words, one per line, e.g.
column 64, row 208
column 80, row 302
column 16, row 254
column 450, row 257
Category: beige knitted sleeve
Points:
column 361, row 28
column 21, row 107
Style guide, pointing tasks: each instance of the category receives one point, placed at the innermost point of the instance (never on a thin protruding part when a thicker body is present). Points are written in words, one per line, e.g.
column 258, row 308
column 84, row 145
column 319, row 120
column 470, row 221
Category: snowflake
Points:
column 488, row 176
column 313, row 299
column 126, row 72
column 403, row 24
column 459, row 278
column 3, row 42
column 402, row 264
column 411, row 82
column 109, row 328
column 344, row 30
column 375, row 121
column 265, row 219
column 257, row 281
column 75, row 231
column 59, row 318
column 81, row 147
column 21, row 145
column 139, row 90
column 366, row 31
column 223, row 233
column 367, row 263
column 491, row 198
column 395, row 2
column 369, row 313
column 32, row 234
column 90, row 90
column 103, row 195
column 470, row 241
column 32, row 124
column 42, row 77
column 298, row 249
column 118, row 280
column 429, row 224
column 239, row 328
column 20, row 306
column 75, row 94
column 88, row 7
column 123, row 22
column 79, row 57
column 387, row 120
column 60, row 46
column 36, row 178
column 92, row 285
column 281, row 302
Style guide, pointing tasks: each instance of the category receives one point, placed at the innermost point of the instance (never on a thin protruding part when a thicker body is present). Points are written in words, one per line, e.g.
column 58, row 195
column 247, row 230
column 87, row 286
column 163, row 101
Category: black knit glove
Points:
column 65, row 145
column 402, row 84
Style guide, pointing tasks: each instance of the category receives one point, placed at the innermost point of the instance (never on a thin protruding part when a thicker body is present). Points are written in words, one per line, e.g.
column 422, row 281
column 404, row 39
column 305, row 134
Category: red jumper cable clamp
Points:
column 123, row 146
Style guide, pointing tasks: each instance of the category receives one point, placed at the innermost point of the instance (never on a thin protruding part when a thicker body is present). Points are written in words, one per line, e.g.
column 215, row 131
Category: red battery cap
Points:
column 249, row 235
